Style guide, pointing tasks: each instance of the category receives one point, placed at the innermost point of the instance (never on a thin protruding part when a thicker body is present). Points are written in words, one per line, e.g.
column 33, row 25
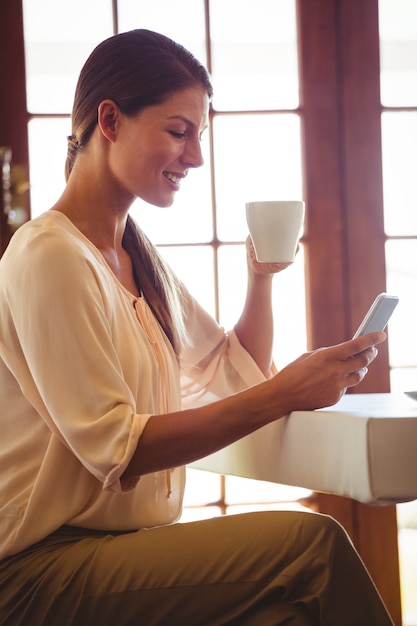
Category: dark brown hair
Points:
column 137, row 69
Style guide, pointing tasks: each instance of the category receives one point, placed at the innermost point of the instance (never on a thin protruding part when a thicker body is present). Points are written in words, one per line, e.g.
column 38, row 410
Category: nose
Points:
column 193, row 155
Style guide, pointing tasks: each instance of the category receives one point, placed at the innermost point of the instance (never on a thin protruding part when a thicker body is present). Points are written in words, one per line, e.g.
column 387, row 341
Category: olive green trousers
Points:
column 258, row 569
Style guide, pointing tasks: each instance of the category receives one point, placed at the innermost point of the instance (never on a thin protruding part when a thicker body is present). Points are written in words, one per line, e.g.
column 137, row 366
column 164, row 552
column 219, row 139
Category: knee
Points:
column 333, row 528
column 318, row 528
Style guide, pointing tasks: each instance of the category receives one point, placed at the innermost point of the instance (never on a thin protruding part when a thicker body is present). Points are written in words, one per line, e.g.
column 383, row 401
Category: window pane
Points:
column 204, row 485
column 243, row 490
column 403, row 379
column 194, row 514
column 257, row 157
column 58, row 38
column 288, row 301
column 399, row 157
column 194, row 266
column 254, row 54
column 407, row 543
column 182, row 20
column 401, row 256
column 232, row 283
column 398, row 43
column 290, row 335
column 47, row 154
column 238, row 509
column 190, row 218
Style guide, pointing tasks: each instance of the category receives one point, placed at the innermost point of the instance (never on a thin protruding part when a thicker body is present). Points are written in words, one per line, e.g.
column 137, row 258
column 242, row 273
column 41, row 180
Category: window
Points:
column 334, row 102
column 253, row 151
column 398, row 37
column 398, row 43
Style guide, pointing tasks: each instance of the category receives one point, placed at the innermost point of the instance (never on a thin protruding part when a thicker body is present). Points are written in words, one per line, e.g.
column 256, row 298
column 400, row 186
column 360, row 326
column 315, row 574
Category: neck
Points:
column 96, row 212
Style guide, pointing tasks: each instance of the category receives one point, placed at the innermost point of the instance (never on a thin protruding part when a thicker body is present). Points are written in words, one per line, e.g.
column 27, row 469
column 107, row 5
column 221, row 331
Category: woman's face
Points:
column 155, row 150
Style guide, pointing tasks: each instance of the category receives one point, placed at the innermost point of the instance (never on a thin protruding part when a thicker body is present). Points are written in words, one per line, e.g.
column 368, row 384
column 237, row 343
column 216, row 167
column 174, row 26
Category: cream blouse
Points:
column 83, row 365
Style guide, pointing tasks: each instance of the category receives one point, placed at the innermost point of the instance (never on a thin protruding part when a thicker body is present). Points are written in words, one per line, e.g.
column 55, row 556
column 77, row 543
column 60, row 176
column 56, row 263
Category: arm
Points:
column 255, row 326
column 315, row 380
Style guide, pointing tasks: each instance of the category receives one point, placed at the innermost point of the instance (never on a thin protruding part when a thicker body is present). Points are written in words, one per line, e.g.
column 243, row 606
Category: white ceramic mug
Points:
column 275, row 227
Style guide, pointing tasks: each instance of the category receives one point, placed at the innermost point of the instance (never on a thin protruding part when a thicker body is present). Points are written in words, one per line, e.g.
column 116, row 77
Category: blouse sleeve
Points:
column 214, row 364
column 60, row 350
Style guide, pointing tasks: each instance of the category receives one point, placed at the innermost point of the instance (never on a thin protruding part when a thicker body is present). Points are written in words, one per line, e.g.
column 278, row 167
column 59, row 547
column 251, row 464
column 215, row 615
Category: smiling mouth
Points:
column 173, row 178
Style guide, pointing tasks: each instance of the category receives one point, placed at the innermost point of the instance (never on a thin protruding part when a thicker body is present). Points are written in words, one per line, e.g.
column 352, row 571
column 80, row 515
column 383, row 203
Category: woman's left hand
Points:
column 262, row 268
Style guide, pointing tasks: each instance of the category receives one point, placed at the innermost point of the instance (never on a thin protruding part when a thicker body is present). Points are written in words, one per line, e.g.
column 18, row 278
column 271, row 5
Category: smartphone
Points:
column 378, row 315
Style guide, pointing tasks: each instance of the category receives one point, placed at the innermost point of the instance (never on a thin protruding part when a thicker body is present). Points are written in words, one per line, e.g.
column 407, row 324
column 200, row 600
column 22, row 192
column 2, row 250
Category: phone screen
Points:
column 378, row 314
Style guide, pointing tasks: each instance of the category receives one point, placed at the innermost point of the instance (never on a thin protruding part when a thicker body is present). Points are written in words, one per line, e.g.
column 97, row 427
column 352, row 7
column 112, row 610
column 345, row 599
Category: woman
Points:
column 98, row 342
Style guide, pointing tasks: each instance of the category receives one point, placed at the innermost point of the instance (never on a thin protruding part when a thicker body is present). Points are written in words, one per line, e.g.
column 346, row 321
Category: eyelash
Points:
column 184, row 135
column 178, row 135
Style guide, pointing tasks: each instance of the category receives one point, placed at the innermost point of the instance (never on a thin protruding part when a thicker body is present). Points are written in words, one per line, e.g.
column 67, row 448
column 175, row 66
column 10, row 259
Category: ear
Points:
column 108, row 117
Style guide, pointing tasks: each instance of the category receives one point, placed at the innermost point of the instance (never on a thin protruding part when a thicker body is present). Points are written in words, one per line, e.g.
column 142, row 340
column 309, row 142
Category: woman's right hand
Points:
column 315, row 380
column 320, row 378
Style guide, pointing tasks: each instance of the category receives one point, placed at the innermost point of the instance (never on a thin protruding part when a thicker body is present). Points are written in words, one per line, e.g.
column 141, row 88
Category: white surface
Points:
column 364, row 447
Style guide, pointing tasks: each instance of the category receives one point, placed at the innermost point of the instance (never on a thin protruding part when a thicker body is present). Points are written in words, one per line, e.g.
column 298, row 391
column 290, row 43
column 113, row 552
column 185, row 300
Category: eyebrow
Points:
column 183, row 119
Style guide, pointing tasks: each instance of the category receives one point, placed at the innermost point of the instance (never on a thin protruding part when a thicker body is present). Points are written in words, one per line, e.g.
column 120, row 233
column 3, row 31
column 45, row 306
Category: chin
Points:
column 164, row 204
column 161, row 201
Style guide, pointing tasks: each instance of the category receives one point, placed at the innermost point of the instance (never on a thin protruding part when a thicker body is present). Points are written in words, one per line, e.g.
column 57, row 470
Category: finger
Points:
column 364, row 358
column 371, row 339
column 354, row 378
column 353, row 347
column 360, row 361
column 261, row 267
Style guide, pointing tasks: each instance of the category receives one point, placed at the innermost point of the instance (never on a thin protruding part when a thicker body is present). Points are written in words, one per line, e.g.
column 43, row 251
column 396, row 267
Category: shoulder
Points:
column 49, row 237
column 51, row 230
column 48, row 248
